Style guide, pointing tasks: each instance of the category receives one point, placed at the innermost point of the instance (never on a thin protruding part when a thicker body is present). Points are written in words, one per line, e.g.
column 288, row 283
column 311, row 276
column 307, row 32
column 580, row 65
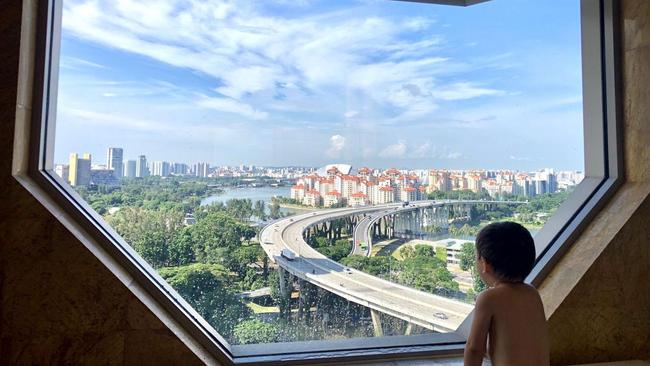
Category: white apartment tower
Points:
column 116, row 161
column 141, row 169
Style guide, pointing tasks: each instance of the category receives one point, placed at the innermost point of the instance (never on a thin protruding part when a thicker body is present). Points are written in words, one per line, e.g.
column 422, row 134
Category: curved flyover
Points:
column 414, row 306
column 362, row 230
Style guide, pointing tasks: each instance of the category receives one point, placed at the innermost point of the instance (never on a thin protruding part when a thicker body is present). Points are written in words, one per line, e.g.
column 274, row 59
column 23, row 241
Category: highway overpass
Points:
column 416, row 307
column 362, row 230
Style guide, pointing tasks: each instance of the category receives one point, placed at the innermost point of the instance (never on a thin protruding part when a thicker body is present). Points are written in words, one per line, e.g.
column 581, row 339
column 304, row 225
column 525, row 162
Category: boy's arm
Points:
column 477, row 341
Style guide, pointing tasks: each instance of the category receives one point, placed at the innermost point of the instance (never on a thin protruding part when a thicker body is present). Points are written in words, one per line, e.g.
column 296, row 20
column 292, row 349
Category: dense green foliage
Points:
column 420, row 268
column 333, row 249
column 152, row 193
column 541, row 207
column 256, row 331
column 208, row 262
column 206, row 288
column 468, row 263
column 465, row 194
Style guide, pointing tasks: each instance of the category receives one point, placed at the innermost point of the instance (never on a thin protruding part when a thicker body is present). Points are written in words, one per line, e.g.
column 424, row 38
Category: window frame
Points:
column 603, row 175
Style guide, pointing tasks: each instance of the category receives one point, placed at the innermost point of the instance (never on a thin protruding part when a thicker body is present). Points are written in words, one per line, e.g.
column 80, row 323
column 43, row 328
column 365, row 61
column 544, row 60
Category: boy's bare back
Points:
column 517, row 327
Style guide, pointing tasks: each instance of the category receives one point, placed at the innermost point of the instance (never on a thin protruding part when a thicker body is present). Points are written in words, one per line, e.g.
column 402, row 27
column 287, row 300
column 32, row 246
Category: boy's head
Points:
column 508, row 248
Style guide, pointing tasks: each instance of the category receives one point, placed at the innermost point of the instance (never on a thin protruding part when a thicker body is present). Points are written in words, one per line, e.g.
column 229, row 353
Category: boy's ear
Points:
column 485, row 266
column 488, row 267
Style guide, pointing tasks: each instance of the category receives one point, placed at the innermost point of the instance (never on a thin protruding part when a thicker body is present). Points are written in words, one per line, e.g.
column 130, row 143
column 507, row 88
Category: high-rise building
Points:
column 130, row 168
column 179, row 169
column 201, row 169
column 62, row 171
column 141, row 169
column 160, row 168
column 552, row 182
column 79, row 170
column 116, row 161
column 101, row 176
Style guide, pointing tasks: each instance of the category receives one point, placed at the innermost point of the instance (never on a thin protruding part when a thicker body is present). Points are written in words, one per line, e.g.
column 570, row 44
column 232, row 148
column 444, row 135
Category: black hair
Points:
column 509, row 248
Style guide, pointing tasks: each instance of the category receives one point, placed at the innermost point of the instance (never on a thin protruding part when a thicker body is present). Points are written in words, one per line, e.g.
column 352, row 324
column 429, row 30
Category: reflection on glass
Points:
column 318, row 170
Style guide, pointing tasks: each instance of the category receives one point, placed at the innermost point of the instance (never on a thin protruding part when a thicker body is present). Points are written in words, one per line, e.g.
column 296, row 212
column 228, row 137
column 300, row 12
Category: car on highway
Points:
column 440, row 315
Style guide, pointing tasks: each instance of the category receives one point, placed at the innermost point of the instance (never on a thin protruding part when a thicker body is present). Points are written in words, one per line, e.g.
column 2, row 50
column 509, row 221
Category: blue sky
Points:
column 308, row 82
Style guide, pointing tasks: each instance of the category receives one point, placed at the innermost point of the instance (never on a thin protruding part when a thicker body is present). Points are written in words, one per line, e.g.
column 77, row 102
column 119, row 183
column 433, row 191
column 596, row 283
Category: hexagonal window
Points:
column 313, row 174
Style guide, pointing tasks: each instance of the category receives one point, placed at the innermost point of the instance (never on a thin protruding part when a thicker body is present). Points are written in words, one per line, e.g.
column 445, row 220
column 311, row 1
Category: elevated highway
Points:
column 362, row 230
column 416, row 307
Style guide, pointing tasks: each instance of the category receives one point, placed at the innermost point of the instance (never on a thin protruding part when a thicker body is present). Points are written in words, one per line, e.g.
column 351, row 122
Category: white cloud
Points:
column 337, row 144
column 464, row 90
column 316, row 58
column 231, row 106
column 422, row 151
column 351, row 114
column 75, row 63
column 112, row 120
column 397, row 150
column 520, row 158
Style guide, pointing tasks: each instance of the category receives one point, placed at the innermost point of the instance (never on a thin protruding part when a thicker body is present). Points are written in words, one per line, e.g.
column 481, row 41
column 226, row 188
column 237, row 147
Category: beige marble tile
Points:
column 636, row 23
column 636, row 80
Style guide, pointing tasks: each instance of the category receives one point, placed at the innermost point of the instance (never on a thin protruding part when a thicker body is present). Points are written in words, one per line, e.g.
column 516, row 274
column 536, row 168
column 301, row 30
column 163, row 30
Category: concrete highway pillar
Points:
column 302, row 299
column 286, row 286
column 376, row 322
column 409, row 329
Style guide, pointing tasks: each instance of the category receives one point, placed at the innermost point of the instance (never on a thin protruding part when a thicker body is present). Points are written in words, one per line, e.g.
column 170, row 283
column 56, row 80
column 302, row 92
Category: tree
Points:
column 275, row 211
column 340, row 249
column 256, row 331
column 150, row 233
column 260, row 210
column 283, row 302
column 151, row 245
column 242, row 257
column 180, row 250
column 468, row 263
column 241, row 209
column 426, row 272
column 424, row 251
column 441, row 253
column 216, row 235
column 407, row 251
column 206, row 288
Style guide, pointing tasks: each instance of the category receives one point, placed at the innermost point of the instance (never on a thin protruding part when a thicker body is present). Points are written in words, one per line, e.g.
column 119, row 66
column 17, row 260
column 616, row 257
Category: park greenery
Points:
column 151, row 193
column 421, row 268
column 213, row 259
column 333, row 249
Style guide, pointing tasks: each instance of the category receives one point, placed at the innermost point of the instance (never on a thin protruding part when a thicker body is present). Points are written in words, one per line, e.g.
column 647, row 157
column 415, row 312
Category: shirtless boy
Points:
column 509, row 314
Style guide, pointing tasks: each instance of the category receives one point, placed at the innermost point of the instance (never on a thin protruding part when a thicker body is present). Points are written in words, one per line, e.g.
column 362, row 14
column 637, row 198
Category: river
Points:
column 254, row 194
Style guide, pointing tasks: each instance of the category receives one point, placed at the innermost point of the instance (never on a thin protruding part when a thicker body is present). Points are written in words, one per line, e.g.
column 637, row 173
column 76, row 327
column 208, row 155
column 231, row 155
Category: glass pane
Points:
column 317, row 170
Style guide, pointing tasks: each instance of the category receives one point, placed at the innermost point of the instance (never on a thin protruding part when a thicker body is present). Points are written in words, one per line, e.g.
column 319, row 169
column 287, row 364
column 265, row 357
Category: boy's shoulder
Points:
column 496, row 294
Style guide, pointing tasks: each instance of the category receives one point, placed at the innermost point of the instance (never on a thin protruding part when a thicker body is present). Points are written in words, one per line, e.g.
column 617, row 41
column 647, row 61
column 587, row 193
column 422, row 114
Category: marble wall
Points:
column 58, row 303
column 598, row 297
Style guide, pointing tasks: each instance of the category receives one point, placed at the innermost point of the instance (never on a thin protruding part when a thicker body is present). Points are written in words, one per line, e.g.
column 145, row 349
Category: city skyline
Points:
column 104, row 163
column 370, row 83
